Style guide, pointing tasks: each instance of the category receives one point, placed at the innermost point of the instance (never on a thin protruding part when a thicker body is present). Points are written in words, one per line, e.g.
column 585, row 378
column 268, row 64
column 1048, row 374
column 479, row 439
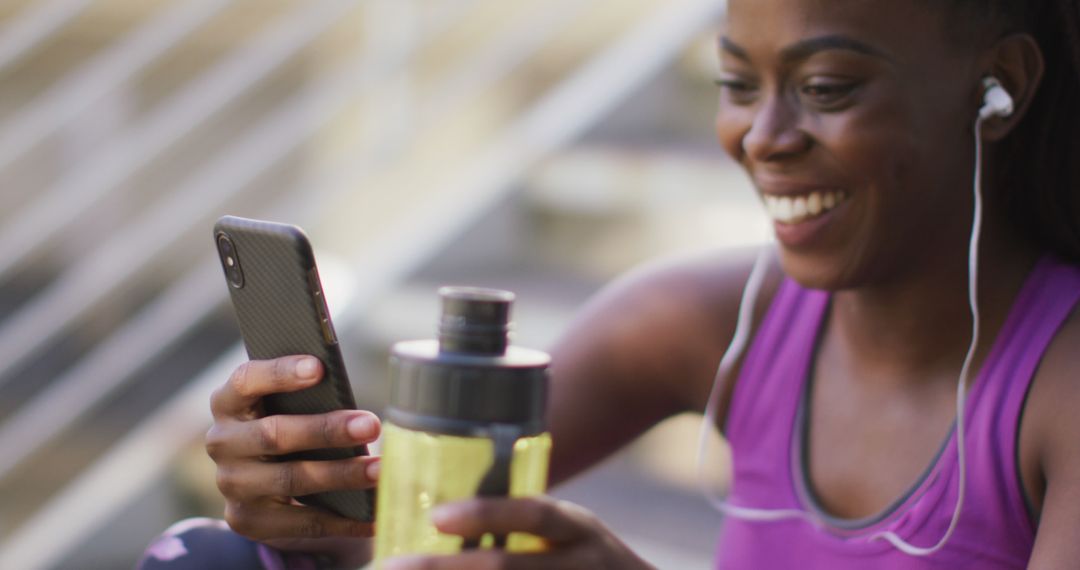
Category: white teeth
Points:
column 783, row 208
column 798, row 208
column 787, row 209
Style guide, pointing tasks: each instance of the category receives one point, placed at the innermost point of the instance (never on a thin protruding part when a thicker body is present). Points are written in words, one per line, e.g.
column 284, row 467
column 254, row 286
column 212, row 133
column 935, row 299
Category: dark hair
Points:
column 1039, row 181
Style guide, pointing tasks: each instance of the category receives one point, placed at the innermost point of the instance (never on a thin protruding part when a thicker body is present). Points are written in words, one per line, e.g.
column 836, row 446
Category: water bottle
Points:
column 465, row 419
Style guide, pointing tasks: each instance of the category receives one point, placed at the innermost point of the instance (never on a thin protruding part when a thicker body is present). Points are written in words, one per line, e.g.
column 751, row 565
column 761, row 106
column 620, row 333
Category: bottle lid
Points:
column 470, row 377
column 474, row 320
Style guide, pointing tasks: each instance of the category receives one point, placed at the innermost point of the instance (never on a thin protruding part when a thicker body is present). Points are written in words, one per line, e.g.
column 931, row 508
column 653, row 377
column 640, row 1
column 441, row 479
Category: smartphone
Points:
column 281, row 310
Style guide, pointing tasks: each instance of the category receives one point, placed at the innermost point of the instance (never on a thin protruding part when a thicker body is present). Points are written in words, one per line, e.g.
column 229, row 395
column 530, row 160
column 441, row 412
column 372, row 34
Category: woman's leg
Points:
column 209, row 544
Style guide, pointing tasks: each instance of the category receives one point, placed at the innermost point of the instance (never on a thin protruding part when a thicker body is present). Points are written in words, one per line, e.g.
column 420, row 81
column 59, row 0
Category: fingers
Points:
column 274, row 520
column 257, row 378
column 576, row 538
column 559, row 522
column 257, row 490
column 282, row 434
column 296, row 478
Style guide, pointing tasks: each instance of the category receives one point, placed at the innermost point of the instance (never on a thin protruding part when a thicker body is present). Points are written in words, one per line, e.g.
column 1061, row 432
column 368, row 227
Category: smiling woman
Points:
column 848, row 103
column 908, row 395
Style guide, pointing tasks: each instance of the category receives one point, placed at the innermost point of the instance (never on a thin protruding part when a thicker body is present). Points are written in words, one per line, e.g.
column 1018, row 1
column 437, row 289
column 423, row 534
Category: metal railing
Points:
column 74, row 395
column 74, row 94
column 39, row 22
column 93, row 178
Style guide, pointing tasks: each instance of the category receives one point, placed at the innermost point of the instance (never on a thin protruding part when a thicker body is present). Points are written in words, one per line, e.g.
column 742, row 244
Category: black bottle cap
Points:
column 470, row 377
column 474, row 320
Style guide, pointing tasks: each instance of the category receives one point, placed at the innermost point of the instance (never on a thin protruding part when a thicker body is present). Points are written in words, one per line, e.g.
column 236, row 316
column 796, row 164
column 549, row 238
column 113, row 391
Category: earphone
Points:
column 996, row 103
column 996, row 100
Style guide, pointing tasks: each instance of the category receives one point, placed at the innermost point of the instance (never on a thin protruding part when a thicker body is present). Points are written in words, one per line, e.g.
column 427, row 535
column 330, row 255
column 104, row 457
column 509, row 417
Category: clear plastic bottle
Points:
column 466, row 418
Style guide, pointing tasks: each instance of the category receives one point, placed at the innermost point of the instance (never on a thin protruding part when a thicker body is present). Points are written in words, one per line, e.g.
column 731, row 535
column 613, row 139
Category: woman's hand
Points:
column 575, row 538
column 258, row 490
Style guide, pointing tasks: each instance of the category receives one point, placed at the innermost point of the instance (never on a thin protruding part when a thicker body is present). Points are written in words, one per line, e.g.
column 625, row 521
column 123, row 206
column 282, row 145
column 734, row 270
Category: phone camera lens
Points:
column 231, row 263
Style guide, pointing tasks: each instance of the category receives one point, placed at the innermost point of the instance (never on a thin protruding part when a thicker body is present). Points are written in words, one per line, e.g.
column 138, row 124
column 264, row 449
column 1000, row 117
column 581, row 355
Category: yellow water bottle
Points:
column 466, row 419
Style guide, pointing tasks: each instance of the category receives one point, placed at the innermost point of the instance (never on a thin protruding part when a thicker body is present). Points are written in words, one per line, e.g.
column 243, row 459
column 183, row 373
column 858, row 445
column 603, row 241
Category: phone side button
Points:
column 328, row 331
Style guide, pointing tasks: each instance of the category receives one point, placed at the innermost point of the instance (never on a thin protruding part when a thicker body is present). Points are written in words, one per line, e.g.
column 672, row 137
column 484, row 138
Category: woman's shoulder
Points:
column 1060, row 362
column 1055, row 390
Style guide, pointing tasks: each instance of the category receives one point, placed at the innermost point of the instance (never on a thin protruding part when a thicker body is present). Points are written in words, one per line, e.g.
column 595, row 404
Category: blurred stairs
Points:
column 390, row 129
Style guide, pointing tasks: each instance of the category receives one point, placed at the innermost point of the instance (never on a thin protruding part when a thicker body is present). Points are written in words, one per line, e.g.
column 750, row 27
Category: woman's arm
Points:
column 644, row 349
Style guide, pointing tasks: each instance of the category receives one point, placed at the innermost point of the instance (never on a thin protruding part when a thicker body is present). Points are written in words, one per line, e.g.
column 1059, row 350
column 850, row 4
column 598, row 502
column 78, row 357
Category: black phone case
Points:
column 281, row 311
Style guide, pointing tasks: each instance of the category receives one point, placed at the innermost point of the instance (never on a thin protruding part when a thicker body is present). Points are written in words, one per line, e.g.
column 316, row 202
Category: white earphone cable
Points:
column 965, row 371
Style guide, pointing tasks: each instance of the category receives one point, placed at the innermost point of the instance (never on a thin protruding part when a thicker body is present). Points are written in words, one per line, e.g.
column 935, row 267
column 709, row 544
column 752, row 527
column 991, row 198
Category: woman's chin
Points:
column 810, row 271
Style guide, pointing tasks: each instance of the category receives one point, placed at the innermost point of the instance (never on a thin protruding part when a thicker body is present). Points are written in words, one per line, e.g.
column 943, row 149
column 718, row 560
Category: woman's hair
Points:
column 1038, row 174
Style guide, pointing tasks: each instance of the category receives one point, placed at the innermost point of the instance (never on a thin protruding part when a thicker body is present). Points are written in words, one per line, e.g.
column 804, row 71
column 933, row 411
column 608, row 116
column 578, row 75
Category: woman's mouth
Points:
column 793, row 209
column 801, row 219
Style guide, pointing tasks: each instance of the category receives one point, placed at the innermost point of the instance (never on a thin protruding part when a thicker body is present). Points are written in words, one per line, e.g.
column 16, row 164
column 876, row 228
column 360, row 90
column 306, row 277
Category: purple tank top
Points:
column 765, row 431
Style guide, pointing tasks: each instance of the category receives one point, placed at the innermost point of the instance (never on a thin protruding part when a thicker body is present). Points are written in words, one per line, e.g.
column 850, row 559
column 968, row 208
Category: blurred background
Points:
column 542, row 146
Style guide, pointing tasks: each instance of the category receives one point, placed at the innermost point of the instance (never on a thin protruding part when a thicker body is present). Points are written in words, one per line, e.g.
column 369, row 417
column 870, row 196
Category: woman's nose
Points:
column 774, row 133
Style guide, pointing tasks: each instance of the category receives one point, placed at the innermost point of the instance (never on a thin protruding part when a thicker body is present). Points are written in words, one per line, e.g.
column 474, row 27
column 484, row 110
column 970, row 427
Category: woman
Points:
column 856, row 121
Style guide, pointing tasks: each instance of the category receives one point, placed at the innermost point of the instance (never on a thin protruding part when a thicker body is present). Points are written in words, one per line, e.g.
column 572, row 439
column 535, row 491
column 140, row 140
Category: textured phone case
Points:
column 280, row 311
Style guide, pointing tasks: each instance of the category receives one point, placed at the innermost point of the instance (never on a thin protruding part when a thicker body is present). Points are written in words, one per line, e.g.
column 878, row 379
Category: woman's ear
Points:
column 1017, row 62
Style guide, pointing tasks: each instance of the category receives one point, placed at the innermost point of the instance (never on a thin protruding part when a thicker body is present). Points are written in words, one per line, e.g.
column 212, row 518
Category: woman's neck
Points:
column 918, row 326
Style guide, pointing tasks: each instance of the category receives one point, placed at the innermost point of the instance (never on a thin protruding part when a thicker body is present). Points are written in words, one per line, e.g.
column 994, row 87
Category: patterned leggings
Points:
column 209, row 544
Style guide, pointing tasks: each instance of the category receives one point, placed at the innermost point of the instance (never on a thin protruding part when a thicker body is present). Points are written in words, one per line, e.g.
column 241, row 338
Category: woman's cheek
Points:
column 871, row 153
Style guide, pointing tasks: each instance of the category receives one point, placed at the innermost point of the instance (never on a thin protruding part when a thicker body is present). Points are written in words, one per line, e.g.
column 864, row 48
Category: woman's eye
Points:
column 827, row 94
column 739, row 90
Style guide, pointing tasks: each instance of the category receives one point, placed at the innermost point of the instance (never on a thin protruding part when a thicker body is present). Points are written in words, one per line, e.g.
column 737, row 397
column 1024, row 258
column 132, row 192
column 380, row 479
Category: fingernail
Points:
column 361, row 427
column 307, row 368
column 443, row 514
column 373, row 469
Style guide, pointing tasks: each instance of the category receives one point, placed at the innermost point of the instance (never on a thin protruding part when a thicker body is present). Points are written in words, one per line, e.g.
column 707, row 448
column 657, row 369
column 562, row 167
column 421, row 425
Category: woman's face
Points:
column 853, row 118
